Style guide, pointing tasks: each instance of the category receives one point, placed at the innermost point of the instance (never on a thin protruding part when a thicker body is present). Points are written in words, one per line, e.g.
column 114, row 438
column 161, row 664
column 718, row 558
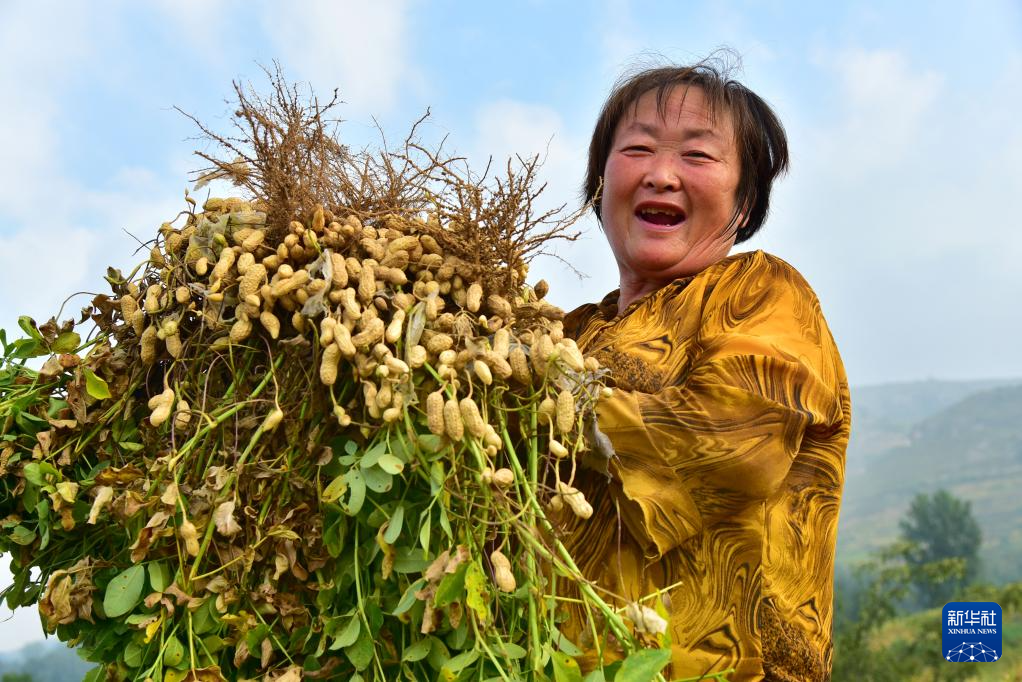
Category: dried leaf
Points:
column 119, row 476
column 292, row 674
column 51, row 367
column 646, row 620
column 266, row 653
column 210, row 674
column 223, row 517
column 104, row 494
column 55, row 604
column 170, row 495
column 190, row 535
column 44, row 438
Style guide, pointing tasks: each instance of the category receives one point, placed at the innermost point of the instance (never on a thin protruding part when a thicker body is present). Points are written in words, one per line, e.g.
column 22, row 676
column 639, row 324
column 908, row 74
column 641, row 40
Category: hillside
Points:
column 907, row 439
column 883, row 416
column 47, row 661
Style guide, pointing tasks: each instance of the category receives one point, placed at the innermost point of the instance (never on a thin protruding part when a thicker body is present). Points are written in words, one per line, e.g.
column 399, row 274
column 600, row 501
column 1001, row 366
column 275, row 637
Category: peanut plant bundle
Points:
column 325, row 431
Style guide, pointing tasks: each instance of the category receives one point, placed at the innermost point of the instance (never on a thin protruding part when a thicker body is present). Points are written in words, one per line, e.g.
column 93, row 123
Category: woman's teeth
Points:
column 659, row 216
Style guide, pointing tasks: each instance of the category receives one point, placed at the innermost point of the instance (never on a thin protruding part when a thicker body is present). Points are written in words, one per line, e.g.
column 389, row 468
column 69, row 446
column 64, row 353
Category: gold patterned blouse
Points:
column 729, row 420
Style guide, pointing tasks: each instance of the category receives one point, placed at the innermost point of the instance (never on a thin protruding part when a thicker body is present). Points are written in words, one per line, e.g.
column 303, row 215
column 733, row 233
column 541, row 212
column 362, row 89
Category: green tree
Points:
column 941, row 527
column 873, row 596
column 16, row 677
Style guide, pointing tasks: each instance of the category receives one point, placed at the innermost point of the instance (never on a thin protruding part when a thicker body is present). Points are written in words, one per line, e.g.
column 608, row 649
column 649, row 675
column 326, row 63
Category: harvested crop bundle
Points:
column 315, row 436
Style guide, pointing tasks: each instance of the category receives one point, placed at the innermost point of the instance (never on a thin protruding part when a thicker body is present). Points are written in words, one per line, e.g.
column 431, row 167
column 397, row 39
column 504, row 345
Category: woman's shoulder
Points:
column 755, row 278
column 750, row 275
column 758, row 293
column 743, row 269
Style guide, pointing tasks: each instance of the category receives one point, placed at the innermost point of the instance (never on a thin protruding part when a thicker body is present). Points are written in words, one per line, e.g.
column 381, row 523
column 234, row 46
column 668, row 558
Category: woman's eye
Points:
column 697, row 154
column 638, row 148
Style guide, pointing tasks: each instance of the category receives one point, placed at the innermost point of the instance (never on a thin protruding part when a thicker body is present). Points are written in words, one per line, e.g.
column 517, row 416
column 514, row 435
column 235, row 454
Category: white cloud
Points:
column 887, row 109
column 198, row 22
column 31, row 71
column 360, row 48
column 59, row 232
column 618, row 36
column 895, row 211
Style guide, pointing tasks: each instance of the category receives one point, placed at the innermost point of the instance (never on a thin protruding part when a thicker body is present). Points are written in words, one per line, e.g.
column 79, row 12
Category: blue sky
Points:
column 902, row 119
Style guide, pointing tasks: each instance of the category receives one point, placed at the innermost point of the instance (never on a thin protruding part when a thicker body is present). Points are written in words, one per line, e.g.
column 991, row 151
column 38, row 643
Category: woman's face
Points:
column 669, row 190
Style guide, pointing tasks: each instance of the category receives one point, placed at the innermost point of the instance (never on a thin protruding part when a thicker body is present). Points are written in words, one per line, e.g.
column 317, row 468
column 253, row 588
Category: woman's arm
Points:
column 725, row 435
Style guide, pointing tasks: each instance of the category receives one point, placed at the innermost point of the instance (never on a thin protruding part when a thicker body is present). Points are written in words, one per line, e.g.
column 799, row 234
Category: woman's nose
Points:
column 663, row 175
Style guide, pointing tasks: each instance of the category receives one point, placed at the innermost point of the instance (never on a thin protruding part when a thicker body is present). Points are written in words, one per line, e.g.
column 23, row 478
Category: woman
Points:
column 731, row 414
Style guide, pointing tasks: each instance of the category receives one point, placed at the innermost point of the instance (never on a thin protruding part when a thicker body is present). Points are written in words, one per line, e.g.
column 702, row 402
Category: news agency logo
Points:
column 972, row 632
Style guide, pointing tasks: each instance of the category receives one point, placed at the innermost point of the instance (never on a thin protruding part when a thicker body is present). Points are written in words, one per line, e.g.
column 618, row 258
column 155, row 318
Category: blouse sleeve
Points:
column 724, row 437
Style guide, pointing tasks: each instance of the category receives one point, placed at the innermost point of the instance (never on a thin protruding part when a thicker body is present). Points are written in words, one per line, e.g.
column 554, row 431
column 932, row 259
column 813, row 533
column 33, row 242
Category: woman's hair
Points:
column 760, row 138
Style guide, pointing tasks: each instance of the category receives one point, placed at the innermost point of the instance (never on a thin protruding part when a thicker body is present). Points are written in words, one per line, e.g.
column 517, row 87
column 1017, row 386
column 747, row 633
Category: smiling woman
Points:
column 728, row 426
column 668, row 200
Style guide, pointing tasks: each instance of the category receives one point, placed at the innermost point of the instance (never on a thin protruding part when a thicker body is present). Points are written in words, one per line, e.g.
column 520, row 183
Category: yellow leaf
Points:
column 152, row 628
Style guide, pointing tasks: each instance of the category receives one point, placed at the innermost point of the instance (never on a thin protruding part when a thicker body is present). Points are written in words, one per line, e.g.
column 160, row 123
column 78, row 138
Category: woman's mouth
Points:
column 661, row 217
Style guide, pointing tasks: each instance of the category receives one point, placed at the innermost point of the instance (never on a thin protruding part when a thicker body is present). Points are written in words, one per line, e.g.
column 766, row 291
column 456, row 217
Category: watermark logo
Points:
column 972, row 632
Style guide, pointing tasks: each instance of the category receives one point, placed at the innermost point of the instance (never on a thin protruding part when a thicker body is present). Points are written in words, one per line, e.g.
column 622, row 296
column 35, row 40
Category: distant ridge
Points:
column 45, row 661
column 917, row 437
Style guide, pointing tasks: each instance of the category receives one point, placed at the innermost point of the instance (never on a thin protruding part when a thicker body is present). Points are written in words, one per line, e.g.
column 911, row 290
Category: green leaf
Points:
column 212, row 643
column 28, row 326
column 159, row 576
column 451, row 587
column 417, row 651
column 22, row 536
column 132, row 655
column 356, row 491
column 44, row 536
column 373, row 454
column 40, row 473
column 205, row 618
column 391, row 464
column 458, row 637
column 643, row 665
column 409, row 560
column 408, row 599
column 510, row 650
column 373, row 614
column 610, row 671
column 595, row 676
column 566, row 645
column 28, row 348
column 173, row 652
column 429, row 442
column 454, row 666
column 95, row 385
column 335, row 490
column 361, row 652
column 424, row 529
column 349, row 634
column 475, row 588
column 255, row 636
column 445, row 523
column 394, row 527
column 377, row 480
column 124, row 591
column 438, row 654
column 66, row 342
column 565, row 668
